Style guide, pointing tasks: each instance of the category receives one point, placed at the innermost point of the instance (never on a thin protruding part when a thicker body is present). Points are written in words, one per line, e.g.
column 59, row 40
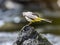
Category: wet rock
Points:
column 28, row 36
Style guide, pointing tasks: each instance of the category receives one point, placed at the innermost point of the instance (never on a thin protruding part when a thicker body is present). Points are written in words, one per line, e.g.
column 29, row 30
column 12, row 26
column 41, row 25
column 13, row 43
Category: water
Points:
column 8, row 38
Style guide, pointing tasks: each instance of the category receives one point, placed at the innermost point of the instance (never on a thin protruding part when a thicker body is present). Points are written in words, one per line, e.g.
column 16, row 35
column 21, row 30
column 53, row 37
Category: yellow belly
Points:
column 37, row 20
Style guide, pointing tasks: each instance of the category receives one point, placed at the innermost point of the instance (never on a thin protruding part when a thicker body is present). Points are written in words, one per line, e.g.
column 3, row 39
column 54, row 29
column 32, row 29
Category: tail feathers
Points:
column 47, row 20
column 40, row 19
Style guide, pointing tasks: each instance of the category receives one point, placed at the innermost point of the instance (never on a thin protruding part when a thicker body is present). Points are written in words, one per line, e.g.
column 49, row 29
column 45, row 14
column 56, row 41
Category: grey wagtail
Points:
column 31, row 17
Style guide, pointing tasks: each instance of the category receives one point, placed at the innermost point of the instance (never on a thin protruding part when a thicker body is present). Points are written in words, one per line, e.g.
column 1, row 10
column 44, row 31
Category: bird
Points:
column 33, row 17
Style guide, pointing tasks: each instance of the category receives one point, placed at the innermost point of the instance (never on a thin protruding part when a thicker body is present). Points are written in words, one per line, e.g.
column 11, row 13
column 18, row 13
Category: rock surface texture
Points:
column 28, row 36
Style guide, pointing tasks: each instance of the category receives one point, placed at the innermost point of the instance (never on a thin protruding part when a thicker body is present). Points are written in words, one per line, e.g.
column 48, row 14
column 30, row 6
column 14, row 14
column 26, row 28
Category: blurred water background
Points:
column 11, row 19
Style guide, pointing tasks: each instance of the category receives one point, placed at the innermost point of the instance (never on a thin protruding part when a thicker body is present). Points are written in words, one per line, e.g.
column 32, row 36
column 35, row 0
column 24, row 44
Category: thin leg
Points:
column 30, row 23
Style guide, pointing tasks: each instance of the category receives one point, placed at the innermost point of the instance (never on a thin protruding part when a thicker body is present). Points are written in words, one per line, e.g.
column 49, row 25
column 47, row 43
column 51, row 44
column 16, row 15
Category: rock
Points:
column 28, row 36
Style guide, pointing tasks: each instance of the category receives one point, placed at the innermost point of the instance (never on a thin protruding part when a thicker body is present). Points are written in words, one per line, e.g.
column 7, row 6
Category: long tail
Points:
column 47, row 20
column 40, row 19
